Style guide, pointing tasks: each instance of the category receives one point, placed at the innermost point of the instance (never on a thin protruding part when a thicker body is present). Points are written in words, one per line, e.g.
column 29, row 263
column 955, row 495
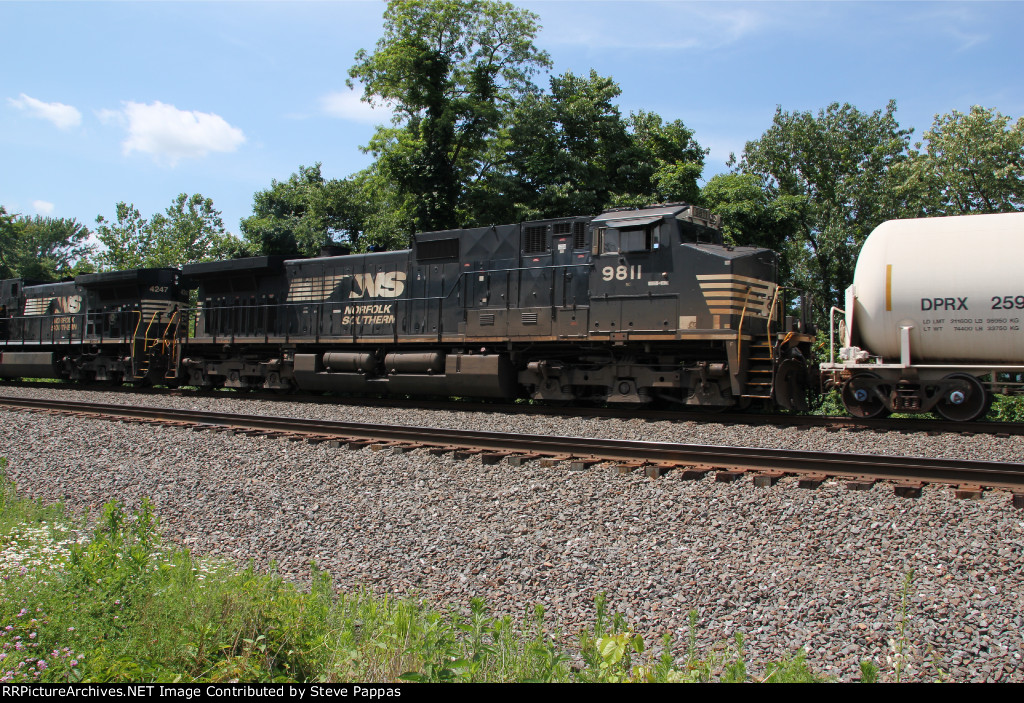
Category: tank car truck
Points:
column 933, row 318
column 628, row 307
column 117, row 327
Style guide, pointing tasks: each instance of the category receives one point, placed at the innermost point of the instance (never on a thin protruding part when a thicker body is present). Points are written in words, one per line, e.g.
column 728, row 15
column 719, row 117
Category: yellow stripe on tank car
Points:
column 888, row 288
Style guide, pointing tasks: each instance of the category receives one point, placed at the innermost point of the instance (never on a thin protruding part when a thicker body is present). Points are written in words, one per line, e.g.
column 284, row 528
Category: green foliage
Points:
column 448, row 69
column 792, row 670
column 299, row 216
column 900, row 645
column 9, row 235
column 755, row 215
column 1007, row 409
column 15, row 510
column 971, row 163
column 115, row 605
column 572, row 151
column 42, row 248
column 189, row 231
column 840, row 169
column 868, row 671
column 129, row 240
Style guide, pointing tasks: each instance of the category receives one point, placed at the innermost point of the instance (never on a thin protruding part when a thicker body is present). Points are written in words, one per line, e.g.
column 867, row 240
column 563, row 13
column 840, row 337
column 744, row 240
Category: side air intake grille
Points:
column 535, row 240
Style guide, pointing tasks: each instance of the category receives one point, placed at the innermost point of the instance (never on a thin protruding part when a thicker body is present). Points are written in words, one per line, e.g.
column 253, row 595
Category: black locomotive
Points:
column 627, row 307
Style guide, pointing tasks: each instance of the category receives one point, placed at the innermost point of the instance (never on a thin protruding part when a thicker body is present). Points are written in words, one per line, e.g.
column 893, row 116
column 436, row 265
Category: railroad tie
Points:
column 318, row 439
column 405, row 447
column 629, row 466
column 656, row 471
column 811, row 481
column 583, row 464
column 861, row 483
column 767, row 479
column 520, row 459
column 463, row 453
column 695, row 473
column 381, row 446
column 968, row 491
column 909, row 489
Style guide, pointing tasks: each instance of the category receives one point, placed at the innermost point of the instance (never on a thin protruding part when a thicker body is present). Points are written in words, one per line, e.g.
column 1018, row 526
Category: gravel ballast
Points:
column 788, row 568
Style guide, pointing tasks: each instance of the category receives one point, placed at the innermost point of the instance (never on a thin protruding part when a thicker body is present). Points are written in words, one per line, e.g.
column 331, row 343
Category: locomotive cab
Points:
column 689, row 319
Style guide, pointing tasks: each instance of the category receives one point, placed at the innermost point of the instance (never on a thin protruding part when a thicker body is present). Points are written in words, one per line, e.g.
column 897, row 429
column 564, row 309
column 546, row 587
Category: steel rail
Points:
column 888, row 424
column 953, row 471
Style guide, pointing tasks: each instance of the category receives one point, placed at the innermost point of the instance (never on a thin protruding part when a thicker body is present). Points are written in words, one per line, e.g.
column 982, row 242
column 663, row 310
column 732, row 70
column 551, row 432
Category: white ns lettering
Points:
column 386, row 284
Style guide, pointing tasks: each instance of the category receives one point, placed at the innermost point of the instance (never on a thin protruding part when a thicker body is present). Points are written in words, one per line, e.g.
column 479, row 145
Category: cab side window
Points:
column 634, row 239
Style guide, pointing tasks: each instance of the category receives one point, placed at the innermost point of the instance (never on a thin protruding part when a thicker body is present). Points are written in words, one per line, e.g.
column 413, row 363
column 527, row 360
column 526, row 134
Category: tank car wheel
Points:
column 968, row 401
column 860, row 398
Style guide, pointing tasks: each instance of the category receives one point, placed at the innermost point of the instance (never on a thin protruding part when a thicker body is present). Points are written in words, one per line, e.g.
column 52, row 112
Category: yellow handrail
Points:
column 739, row 331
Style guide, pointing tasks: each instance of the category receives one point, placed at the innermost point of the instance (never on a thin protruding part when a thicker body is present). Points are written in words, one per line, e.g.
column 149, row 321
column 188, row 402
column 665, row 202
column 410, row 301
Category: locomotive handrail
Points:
column 739, row 330
column 768, row 327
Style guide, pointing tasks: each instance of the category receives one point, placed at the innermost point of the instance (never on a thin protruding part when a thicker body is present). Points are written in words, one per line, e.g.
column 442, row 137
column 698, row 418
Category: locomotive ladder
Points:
column 163, row 346
column 761, row 357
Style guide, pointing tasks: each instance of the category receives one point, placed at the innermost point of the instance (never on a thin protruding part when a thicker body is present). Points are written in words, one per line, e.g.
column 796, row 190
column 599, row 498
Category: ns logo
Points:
column 386, row 284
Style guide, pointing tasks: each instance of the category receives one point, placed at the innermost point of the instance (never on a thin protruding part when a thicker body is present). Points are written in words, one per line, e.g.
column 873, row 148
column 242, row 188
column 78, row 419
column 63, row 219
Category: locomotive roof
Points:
column 116, row 278
column 622, row 217
column 252, row 264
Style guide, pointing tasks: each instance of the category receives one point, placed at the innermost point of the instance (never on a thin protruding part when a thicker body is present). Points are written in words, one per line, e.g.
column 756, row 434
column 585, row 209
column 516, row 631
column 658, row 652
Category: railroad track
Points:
column 926, row 425
column 727, row 463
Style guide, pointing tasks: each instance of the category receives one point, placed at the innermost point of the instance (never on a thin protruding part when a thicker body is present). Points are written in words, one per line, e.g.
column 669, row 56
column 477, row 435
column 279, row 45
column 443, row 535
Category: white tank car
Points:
column 956, row 281
column 933, row 318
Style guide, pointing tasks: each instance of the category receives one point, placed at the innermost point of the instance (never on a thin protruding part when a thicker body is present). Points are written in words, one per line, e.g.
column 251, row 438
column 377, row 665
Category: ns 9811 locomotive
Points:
column 628, row 307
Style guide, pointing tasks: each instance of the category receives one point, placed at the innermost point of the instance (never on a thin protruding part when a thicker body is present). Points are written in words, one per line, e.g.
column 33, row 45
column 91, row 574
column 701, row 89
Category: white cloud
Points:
column 169, row 134
column 62, row 116
column 346, row 105
column 42, row 207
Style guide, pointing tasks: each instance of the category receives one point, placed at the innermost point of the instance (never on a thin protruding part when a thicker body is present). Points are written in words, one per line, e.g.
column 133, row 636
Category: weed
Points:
column 114, row 604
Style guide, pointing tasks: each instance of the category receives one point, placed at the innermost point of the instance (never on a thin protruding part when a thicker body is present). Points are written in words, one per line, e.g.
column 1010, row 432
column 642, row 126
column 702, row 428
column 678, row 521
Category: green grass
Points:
column 111, row 603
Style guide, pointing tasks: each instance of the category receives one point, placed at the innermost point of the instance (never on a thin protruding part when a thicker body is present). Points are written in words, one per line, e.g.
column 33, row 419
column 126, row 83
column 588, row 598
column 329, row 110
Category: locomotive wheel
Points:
column 967, row 401
column 861, row 398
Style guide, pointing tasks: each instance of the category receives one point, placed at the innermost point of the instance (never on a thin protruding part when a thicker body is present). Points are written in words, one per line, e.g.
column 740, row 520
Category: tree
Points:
column 9, row 237
column 753, row 215
column 571, row 151
column 300, row 215
column 42, row 248
column 128, row 241
column 558, row 154
column 190, row 230
column 663, row 162
column 845, row 166
column 448, row 69
column 971, row 163
column 54, row 248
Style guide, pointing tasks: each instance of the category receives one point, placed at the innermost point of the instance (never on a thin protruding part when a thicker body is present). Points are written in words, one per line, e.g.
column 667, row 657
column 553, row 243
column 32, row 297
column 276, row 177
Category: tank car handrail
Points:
column 832, row 333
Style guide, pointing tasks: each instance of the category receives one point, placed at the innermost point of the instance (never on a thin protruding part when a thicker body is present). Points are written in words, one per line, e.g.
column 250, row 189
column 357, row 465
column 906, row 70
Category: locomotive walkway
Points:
column 728, row 463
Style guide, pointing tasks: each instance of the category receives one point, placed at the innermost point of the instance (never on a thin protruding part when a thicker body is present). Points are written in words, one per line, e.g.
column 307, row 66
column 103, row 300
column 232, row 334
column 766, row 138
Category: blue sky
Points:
column 140, row 101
